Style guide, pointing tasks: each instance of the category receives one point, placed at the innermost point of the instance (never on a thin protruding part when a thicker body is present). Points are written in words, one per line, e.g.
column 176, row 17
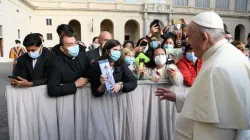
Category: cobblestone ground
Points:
column 5, row 70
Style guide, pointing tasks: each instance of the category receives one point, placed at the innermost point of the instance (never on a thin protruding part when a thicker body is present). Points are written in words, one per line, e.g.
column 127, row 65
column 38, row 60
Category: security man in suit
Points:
column 96, row 53
column 32, row 67
column 69, row 70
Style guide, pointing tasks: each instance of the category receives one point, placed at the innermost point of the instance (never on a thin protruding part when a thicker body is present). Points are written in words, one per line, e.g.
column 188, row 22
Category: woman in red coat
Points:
column 189, row 66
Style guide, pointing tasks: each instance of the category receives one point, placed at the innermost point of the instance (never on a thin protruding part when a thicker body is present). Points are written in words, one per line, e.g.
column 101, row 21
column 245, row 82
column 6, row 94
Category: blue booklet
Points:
column 107, row 72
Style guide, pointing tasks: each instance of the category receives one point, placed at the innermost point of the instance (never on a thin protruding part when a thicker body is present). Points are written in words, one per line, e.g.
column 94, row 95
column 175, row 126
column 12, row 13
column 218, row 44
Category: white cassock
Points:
column 217, row 106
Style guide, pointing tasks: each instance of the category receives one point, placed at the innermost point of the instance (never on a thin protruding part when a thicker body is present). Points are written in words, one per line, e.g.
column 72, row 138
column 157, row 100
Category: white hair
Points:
column 216, row 34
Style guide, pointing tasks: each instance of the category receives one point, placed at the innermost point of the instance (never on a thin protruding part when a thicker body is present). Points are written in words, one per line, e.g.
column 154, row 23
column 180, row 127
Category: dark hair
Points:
column 128, row 41
column 187, row 48
column 153, row 65
column 65, row 28
column 17, row 41
column 106, row 49
column 95, row 38
column 153, row 23
column 139, row 41
column 32, row 40
column 226, row 32
column 248, row 36
column 38, row 34
column 65, row 35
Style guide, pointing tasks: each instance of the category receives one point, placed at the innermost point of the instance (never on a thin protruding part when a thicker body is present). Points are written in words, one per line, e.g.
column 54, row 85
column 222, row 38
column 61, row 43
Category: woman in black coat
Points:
column 124, row 78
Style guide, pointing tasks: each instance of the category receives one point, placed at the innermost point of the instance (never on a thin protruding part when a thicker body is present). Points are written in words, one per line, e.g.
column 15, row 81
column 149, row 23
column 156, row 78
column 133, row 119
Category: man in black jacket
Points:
column 32, row 67
column 65, row 29
column 96, row 53
column 69, row 70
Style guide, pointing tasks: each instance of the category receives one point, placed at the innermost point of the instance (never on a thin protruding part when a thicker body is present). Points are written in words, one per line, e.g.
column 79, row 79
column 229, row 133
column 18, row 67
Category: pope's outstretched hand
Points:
column 166, row 94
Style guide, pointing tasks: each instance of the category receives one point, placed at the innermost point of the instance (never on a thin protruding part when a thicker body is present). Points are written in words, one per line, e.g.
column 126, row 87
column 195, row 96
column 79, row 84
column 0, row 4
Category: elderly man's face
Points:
column 195, row 39
column 103, row 38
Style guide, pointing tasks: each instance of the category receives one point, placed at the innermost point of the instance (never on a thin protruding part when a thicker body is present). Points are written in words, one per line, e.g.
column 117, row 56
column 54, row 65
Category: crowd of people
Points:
column 170, row 60
column 70, row 64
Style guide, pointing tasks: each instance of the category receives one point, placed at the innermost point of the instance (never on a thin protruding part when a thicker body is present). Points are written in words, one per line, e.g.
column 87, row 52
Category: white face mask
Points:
column 146, row 49
column 96, row 45
column 178, row 26
column 160, row 59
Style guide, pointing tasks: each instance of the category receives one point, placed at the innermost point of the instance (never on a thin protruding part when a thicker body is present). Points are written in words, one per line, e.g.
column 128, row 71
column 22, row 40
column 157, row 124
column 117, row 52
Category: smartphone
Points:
column 144, row 43
column 14, row 77
column 141, row 62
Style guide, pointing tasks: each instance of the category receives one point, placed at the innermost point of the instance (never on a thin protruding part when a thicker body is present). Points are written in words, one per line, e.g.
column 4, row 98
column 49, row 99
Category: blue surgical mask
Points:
column 73, row 51
column 168, row 46
column 191, row 57
column 154, row 44
column 35, row 54
column 115, row 55
column 129, row 60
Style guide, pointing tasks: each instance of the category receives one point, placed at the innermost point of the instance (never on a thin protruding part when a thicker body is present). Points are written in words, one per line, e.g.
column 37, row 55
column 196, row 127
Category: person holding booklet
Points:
column 125, row 81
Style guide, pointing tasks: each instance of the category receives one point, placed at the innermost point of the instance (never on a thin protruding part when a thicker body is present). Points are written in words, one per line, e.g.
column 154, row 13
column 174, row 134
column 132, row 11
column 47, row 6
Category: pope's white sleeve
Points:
column 180, row 99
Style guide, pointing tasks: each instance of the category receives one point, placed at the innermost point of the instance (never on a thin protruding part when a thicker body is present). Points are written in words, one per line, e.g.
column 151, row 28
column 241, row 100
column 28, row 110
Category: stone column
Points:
column 231, row 4
column 212, row 4
column 248, row 6
column 191, row 3
column 119, row 1
column 170, row 2
column 146, row 24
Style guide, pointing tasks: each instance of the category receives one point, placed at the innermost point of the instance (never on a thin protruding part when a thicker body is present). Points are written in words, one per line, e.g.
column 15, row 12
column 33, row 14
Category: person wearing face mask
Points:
column 96, row 53
column 69, row 70
column 32, row 68
column 129, row 58
column 65, row 29
column 189, row 66
column 168, row 43
column 161, row 71
column 154, row 43
column 124, row 78
column 95, row 44
column 41, row 36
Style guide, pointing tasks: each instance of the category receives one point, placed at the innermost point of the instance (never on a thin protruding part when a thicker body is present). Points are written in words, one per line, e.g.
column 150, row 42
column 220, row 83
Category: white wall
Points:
column 11, row 21
column 85, row 19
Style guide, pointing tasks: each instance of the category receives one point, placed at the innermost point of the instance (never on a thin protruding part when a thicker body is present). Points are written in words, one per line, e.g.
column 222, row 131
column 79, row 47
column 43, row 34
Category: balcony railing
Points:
column 150, row 6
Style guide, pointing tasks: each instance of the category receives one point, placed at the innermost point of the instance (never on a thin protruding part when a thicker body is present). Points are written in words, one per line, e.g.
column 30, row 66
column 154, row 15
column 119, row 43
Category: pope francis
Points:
column 217, row 106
